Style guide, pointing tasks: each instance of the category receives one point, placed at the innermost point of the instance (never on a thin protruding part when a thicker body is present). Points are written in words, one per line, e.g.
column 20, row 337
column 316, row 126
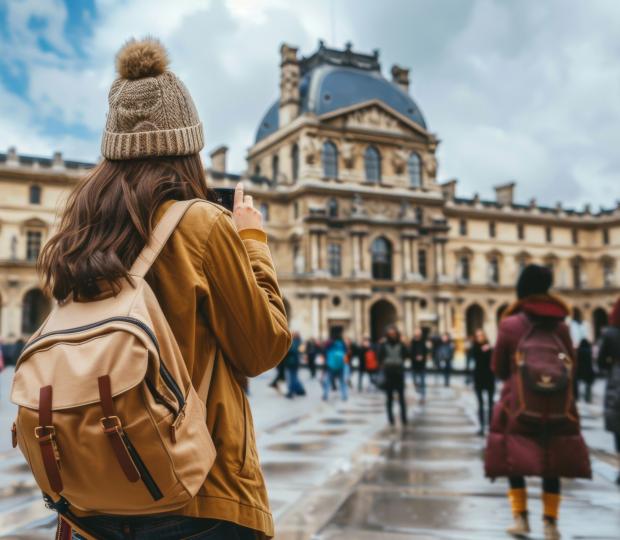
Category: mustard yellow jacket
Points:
column 219, row 292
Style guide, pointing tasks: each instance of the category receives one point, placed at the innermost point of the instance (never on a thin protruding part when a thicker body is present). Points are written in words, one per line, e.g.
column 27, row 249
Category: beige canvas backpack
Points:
column 107, row 416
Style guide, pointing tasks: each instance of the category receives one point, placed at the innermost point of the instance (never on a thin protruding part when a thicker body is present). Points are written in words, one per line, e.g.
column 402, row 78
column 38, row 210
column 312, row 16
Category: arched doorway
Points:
column 35, row 307
column 599, row 321
column 382, row 314
column 474, row 319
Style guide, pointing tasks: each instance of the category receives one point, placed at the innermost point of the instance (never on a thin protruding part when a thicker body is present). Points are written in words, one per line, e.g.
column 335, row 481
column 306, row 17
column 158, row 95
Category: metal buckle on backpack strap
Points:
column 111, row 423
column 45, row 434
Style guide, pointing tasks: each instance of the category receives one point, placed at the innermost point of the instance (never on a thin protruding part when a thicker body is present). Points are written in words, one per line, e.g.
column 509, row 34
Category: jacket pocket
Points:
column 249, row 459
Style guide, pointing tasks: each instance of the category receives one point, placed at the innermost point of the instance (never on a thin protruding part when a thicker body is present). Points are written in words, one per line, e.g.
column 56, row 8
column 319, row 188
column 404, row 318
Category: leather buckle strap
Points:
column 113, row 428
column 45, row 433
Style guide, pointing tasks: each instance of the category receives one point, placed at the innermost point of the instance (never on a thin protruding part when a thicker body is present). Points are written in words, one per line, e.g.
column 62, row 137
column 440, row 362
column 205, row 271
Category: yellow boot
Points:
column 518, row 502
column 551, row 508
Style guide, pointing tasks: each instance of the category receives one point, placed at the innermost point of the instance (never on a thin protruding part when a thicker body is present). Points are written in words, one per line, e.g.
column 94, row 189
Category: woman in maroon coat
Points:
column 517, row 447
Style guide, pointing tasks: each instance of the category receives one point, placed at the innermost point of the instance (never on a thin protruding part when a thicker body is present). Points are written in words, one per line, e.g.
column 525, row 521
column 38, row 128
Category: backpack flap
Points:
column 73, row 368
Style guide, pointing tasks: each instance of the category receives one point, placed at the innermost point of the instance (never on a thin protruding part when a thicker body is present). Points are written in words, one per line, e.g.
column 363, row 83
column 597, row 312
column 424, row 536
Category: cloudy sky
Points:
column 516, row 90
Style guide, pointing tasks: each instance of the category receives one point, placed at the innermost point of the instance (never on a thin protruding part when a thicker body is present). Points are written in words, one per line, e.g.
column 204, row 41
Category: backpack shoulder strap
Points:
column 159, row 236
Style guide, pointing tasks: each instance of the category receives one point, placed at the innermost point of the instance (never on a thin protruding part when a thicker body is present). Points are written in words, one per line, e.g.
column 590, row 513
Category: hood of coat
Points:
column 539, row 305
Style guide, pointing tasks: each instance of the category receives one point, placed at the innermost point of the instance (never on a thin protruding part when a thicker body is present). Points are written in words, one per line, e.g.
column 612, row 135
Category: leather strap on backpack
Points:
column 45, row 433
column 113, row 428
column 159, row 236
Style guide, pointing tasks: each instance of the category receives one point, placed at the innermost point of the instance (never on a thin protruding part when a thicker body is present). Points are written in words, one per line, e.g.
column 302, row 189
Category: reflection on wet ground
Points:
column 311, row 446
column 343, row 421
column 323, row 432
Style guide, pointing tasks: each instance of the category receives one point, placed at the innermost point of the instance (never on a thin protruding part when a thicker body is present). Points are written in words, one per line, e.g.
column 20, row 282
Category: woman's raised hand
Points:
column 245, row 216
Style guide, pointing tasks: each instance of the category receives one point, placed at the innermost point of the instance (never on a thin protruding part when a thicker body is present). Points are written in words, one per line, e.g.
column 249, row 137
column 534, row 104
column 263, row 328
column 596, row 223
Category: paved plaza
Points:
column 336, row 471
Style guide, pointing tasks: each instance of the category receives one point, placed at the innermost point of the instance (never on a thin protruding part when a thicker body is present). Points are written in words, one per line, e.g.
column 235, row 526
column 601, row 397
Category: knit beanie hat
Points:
column 534, row 279
column 151, row 112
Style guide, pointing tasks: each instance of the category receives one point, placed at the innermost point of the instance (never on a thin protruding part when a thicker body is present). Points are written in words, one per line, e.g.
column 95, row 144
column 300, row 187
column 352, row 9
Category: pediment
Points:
column 375, row 116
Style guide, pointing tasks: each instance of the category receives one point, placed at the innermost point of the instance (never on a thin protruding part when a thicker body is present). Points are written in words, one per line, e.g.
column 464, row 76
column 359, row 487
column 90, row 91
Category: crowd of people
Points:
column 541, row 362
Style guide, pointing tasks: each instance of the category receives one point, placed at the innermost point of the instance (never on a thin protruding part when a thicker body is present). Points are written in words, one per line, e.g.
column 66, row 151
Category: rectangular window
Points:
column 492, row 229
column 35, row 195
column 606, row 236
column 463, row 227
column 422, row 267
column 575, row 236
column 464, row 264
column 549, row 234
column 576, row 275
column 520, row 231
column 33, row 245
column 334, row 259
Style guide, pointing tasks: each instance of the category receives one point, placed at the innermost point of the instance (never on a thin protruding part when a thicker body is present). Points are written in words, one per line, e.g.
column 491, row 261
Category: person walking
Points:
column 392, row 354
column 609, row 363
column 312, row 350
column 585, row 370
column 291, row 366
column 335, row 368
column 535, row 429
column 484, row 379
column 445, row 355
column 279, row 377
column 371, row 363
column 214, row 281
column 419, row 353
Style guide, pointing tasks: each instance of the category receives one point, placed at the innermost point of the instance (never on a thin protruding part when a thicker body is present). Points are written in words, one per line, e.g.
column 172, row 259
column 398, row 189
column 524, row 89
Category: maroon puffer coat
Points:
column 514, row 449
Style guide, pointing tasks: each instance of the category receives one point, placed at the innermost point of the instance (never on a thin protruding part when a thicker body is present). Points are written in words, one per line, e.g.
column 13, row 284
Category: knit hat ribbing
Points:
column 151, row 111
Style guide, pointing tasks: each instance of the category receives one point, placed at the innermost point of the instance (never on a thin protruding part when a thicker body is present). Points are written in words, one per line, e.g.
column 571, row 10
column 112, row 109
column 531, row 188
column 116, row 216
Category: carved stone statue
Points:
column 349, row 154
column 357, row 206
column 311, row 149
column 399, row 160
column 430, row 165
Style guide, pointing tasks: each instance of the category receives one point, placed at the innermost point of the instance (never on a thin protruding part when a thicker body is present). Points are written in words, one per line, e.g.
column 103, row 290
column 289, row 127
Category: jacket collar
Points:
column 539, row 305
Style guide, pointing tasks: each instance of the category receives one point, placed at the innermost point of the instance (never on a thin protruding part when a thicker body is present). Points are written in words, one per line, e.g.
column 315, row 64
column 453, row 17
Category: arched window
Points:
column 295, row 162
column 381, row 253
column 264, row 210
column 35, row 194
column 330, row 160
column 332, row 208
column 415, row 171
column 372, row 164
column 275, row 168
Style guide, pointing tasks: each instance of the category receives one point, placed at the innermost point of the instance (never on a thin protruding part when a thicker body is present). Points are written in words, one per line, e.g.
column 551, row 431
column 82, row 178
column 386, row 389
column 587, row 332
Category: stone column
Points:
column 355, row 245
column 414, row 256
column 316, row 316
column 314, row 251
column 364, row 266
column 406, row 243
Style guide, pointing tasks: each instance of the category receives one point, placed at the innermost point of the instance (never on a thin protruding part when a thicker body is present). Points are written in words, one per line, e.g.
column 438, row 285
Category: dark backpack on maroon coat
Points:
column 543, row 378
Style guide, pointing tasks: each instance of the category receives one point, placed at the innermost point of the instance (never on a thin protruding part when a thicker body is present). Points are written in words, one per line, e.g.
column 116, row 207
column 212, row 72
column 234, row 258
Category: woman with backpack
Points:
column 535, row 429
column 609, row 363
column 216, row 285
column 484, row 380
column 392, row 354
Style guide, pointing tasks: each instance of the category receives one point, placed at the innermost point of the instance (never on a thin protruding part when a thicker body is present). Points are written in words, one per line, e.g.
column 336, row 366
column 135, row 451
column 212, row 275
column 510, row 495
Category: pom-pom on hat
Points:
column 534, row 279
column 151, row 112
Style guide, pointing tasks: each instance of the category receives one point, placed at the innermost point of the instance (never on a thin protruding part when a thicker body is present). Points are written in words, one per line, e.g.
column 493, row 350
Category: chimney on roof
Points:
column 504, row 194
column 11, row 157
column 400, row 77
column 448, row 189
column 218, row 159
column 58, row 162
column 289, row 84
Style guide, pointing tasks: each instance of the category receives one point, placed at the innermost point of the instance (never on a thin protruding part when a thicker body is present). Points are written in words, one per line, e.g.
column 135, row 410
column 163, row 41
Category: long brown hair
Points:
column 108, row 220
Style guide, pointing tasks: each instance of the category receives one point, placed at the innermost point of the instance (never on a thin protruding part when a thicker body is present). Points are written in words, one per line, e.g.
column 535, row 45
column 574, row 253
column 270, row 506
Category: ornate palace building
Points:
column 363, row 234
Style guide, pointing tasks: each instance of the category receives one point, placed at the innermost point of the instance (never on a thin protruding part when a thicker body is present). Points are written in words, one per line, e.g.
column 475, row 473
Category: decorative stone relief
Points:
column 357, row 206
column 374, row 118
column 382, row 209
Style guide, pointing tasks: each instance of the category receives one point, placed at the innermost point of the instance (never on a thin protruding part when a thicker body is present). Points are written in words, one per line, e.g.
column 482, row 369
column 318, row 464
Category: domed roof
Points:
column 332, row 79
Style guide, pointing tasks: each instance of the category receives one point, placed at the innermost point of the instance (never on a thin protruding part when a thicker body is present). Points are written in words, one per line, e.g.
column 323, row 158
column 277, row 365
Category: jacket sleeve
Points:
column 502, row 353
column 244, row 306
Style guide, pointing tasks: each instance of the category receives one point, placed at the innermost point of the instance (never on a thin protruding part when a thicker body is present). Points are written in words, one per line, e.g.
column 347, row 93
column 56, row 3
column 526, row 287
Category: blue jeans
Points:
column 419, row 380
column 295, row 388
column 163, row 528
column 333, row 375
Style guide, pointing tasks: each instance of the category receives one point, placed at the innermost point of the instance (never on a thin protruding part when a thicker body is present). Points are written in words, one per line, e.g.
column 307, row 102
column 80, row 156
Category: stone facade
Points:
column 361, row 231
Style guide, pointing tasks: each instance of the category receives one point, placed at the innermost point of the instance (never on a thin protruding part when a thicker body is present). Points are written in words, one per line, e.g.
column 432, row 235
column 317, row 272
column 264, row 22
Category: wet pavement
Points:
column 336, row 471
